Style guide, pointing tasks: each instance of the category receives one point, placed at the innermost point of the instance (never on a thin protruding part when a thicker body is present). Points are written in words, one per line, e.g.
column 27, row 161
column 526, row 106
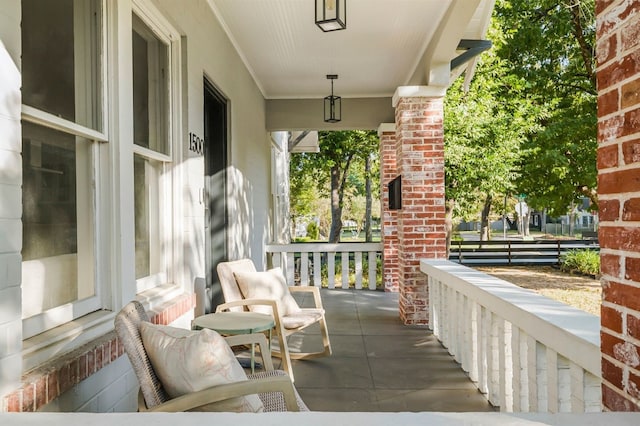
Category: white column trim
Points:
column 386, row 127
column 417, row 92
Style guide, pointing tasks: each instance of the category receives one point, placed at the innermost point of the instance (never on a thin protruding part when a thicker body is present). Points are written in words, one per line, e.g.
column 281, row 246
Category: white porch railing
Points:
column 304, row 263
column 526, row 352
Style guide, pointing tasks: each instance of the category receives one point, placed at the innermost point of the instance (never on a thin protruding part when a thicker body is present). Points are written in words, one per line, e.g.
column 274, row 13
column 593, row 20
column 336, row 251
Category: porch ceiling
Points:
column 387, row 43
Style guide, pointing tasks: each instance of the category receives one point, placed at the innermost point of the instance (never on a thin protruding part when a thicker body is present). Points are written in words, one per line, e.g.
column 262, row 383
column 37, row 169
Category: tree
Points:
column 331, row 172
column 484, row 129
column 550, row 45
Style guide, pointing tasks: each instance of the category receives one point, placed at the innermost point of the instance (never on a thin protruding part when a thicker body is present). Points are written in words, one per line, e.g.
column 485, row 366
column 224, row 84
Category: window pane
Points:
column 55, row 168
column 147, row 212
column 150, row 89
column 60, row 59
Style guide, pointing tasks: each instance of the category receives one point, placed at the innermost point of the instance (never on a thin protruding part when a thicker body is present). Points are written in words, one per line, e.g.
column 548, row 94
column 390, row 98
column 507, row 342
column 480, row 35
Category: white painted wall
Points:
column 210, row 53
column 10, row 197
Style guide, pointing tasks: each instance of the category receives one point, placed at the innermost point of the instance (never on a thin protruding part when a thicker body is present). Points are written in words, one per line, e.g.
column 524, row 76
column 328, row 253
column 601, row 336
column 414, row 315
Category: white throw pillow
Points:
column 188, row 361
column 271, row 285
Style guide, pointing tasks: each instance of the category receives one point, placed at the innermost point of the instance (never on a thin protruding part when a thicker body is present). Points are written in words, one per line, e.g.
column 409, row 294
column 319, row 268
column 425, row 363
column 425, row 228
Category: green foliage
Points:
column 585, row 262
column 484, row 129
column 550, row 44
column 337, row 173
column 313, row 231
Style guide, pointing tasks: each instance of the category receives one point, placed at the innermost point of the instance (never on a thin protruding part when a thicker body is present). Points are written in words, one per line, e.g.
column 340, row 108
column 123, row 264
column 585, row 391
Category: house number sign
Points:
column 196, row 144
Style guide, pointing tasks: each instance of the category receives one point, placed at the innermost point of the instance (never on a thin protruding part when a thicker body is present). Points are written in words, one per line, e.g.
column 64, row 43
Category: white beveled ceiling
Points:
column 387, row 43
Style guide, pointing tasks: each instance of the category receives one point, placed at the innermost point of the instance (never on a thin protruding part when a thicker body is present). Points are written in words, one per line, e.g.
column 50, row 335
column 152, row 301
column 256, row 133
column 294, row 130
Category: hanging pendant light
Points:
column 332, row 104
column 331, row 15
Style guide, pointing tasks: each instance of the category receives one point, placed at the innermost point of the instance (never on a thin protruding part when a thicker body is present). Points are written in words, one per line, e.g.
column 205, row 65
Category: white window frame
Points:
column 170, row 200
column 86, row 192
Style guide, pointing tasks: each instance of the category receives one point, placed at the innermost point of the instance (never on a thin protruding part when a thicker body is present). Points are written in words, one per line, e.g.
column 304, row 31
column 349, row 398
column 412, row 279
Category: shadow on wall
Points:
column 241, row 216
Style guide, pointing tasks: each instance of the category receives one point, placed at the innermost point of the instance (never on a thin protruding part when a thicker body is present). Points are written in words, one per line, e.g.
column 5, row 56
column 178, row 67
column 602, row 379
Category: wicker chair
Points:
column 285, row 325
column 273, row 387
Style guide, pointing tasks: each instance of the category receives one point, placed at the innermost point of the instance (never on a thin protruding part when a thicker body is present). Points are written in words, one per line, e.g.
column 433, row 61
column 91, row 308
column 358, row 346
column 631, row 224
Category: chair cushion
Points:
column 188, row 361
column 271, row 285
column 302, row 318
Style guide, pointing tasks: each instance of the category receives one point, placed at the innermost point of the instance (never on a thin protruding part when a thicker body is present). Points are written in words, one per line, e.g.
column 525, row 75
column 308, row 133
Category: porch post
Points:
column 421, row 221
column 618, row 73
column 388, row 217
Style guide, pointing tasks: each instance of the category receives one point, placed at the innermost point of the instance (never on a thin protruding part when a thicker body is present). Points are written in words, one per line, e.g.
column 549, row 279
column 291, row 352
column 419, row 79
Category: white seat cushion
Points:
column 188, row 361
column 270, row 285
column 302, row 318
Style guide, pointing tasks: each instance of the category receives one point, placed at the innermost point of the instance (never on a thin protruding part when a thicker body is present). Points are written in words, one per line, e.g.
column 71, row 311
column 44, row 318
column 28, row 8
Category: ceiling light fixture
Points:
column 332, row 104
column 331, row 15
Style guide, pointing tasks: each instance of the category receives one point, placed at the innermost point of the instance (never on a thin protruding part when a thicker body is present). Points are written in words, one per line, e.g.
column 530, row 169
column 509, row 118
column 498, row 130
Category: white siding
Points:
column 10, row 197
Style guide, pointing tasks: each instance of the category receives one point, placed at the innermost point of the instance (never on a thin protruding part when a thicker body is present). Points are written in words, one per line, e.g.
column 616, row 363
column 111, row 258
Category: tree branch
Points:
column 586, row 49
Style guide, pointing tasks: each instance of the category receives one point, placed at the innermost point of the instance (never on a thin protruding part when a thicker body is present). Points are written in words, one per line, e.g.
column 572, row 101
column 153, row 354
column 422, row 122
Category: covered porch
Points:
column 378, row 364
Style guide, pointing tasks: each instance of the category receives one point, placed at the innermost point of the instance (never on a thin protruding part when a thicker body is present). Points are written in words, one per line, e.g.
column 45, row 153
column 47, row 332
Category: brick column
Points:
column 618, row 53
column 421, row 221
column 388, row 218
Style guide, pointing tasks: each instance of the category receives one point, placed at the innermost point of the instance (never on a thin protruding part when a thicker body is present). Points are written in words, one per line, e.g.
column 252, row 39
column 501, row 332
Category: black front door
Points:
column 215, row 160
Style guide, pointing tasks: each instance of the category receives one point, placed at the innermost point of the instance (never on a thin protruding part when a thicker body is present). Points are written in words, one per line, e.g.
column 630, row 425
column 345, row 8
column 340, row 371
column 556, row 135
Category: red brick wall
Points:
column 421, row 221
column 389, row 217
column 618, row 54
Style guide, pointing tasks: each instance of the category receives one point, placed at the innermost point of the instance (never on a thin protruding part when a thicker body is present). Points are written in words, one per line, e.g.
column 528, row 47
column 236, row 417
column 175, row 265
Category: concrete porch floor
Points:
column 378, row 364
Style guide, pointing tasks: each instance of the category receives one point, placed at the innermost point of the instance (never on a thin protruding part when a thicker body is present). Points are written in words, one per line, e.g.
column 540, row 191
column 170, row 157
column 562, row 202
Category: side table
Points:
column 231, row 323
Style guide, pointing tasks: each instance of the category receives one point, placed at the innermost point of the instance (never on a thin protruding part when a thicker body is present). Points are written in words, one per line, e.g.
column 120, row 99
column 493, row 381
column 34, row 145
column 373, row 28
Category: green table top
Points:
column 235, row 322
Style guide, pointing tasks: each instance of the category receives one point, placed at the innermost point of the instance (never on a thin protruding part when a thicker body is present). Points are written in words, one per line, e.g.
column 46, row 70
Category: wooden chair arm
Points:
column 250, row 302
column 256, row 338
column 309, row 289
column 232, row 390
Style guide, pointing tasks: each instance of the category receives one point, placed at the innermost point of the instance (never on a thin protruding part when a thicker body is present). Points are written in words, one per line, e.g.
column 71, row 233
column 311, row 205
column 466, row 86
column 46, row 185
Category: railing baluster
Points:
column 542, row 378
column 506, row 367
column 304, row 268
column 317, row 269
column 592, row 393
column 516, row 369
column 474, row 341
column 444, row 325
column 465, row 346
column 345, row 270
column 552, row 381
column 434, row 312
column 452, row 323
column 532, row 373
column 564, row 384
column 290, row 267
column 358, row 266
column 493, row 360
column 331, row 269
column 484, row 318
column 372, row 258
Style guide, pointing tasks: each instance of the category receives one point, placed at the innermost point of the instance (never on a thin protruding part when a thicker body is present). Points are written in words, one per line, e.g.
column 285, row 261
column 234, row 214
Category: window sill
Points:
column 59, row 340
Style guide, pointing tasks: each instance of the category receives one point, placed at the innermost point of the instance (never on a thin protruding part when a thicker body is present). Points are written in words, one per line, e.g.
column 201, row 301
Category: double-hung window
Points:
column 63, row 122
column 155, row 54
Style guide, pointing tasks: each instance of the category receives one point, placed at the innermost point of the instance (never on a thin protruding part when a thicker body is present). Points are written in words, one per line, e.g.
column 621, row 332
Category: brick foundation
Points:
column 618, row 55
column 421, row 221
